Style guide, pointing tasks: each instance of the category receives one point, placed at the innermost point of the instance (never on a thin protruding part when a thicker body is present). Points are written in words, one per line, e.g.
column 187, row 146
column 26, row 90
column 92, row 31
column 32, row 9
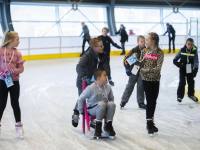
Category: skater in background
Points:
column 171, row 34
column 86, row 36
column 107, row 40
column 150, row 71
column 11, row 63
column 100, row 103
column 124, row 37
column 133, row 79
column 94, row 58
column 189, row 65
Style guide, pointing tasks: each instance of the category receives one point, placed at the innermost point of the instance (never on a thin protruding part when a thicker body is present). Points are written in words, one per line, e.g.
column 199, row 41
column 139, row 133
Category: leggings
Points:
column 14, row 96
column 151, row 89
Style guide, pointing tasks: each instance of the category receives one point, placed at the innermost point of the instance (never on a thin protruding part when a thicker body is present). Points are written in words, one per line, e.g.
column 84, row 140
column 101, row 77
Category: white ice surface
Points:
column 48, row 96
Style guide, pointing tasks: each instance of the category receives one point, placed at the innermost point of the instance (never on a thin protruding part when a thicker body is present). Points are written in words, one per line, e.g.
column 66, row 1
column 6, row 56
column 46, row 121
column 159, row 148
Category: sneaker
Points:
column 108, row 128
column 194, row 98
column 111, row 83
column 75, row 119
column 179, row 100
column 98, row 129
column 19, row 129
column 122, row 104
column 142, row 105
column 92, row 123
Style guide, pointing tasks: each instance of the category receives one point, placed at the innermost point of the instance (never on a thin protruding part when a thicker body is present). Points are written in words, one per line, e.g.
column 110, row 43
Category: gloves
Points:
column 176, row 63
column 2, row 74
column 128, row 71
column 11, row 71
column 88, row 81
column 119, row 47
column 194, row 72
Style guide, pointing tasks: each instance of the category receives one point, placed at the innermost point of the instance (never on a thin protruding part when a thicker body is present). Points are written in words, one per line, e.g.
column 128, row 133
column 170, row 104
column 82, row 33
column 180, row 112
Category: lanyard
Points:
column 104, row 94
column 147, row 54
column 5, row 57
column 188, row 55
column 98, row 62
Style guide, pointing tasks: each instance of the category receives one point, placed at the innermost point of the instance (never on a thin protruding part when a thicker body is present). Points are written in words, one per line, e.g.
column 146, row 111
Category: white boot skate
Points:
column 19, row 129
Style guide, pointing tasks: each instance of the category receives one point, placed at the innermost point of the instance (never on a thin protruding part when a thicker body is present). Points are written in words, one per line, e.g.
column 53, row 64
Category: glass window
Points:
column 32, row 13
column 137, row 15
column 30, row 29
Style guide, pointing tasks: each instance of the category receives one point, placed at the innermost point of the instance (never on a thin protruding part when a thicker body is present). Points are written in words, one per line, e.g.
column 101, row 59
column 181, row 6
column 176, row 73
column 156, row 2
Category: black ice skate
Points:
column 111, row 82
column 108, row 128
column 75, row 119
column 98, row 129
column 150, row 128
column 122, row 104
column 92, row 123
column 179, row 100
column 194, row 98
column 142, row 105
column 155, row 129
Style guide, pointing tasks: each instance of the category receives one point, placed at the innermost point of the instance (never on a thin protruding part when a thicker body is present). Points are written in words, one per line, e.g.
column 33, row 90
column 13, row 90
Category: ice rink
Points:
column 48, row 96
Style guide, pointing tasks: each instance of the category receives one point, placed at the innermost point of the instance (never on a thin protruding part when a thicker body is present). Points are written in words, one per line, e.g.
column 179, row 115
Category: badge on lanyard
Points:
column 135, row 69
column 188, row 68
column 8, row 80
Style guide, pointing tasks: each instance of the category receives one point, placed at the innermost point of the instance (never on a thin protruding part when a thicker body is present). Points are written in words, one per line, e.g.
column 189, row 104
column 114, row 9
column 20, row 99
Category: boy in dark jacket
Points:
column 189, row 65
column 94, row 58
column 107, row 40
column 134, row 78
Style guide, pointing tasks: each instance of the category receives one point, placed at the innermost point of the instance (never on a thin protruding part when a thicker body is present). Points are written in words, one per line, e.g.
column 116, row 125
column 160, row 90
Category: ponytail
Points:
column 9, row 36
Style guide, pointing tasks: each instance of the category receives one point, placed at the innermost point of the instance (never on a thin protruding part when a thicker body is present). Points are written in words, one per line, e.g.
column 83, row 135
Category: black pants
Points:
column 83, row 46
column 182, row 82
column 173, row 40
column 151, row 89
column 123, row 47
column 14, row 95
column 109, row 77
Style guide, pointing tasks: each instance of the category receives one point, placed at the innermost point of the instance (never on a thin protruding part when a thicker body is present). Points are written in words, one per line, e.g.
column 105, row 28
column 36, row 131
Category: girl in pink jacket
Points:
column 11, row 65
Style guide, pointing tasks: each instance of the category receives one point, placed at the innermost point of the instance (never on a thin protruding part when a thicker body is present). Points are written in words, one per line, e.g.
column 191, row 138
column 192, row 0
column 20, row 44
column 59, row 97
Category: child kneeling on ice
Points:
column 100, row 102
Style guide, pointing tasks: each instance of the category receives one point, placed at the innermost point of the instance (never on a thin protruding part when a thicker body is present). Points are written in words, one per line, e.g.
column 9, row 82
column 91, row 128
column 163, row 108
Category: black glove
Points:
column 176, row 63
column 119, row 47
column 83, row 113
column 128, row 71
column 194, row 72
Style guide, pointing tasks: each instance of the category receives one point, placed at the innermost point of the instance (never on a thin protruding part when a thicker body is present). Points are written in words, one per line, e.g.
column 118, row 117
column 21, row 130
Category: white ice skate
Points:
column 19, row 129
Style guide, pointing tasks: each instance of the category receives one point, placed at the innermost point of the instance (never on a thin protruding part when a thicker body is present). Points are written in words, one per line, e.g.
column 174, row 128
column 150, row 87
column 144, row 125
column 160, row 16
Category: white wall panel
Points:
column 23, row 43
column 71, row 50
column 44, row 51
column 46, row 42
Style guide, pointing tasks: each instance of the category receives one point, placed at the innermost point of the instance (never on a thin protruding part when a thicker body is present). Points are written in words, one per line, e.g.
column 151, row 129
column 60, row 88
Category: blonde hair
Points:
column 106, row 28
column 154, row 37
column 93, row 42
column 140, row 37
column 9, row 36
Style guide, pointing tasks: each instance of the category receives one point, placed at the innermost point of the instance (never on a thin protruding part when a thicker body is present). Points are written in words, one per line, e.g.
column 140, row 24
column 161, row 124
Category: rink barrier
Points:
column 70, row 55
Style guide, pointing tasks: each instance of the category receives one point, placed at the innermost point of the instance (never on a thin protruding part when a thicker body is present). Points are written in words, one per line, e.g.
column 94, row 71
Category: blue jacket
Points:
column 187, row 57
column 86, row 33
column 170, row 30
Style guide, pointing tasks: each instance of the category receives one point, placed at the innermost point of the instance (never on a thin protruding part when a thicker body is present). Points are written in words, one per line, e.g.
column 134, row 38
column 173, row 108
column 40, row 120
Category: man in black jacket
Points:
column 94, row 58
column 171, row 35
column 86, row 36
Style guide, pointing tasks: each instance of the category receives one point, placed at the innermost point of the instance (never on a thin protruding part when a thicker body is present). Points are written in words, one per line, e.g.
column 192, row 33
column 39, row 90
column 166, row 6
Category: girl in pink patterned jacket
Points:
column 11, row 65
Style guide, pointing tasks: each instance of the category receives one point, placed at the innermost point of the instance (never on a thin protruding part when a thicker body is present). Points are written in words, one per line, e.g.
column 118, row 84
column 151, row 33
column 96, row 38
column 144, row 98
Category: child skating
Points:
column 134, row 78
column 11, row 65
column 100, row 103
column 189, row 65
column 150, row 71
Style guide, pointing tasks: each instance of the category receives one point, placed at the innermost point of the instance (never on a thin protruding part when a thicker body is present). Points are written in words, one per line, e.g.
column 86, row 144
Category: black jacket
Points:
column 170, row 30
column 123, row 34
column 107, row 40
column 88, row 63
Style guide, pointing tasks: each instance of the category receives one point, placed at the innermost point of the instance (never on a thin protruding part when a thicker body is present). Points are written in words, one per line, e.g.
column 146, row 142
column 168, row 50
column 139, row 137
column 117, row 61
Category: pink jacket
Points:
column 16, row 62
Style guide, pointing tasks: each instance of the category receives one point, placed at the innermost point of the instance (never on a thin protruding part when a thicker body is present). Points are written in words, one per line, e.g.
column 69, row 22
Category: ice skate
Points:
column 19, row 129
column 122, row 104
column 111, row 82
column 98, row 129
column 92, row 123
column 155, row 129
column 179, row 100
column 142, row 105
column 150, row 128
column 109, row 131
column 194, row 98
column 75, row 119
